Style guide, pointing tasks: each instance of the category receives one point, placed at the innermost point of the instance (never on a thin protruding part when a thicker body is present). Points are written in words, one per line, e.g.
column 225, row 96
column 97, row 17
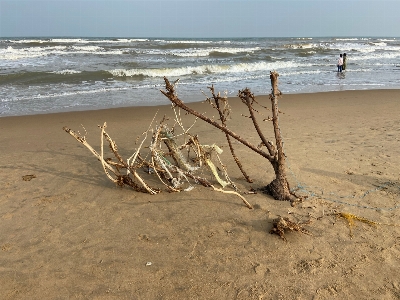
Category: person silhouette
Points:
column 340, row 63
column 344, row 61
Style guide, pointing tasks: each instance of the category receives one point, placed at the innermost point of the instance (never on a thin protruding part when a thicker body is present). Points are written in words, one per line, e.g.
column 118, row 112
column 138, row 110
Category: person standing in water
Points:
column 340, row 63
column 344, row 61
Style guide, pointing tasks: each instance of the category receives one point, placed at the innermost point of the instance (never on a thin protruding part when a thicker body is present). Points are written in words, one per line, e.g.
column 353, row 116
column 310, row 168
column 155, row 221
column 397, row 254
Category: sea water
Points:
column 44, row 75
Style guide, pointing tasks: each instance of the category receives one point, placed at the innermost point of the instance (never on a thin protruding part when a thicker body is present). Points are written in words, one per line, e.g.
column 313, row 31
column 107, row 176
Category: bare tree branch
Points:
column 171, row 95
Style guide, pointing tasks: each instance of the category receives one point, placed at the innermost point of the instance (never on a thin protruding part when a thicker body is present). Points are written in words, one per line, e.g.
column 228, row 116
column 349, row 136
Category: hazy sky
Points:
column 199, row 18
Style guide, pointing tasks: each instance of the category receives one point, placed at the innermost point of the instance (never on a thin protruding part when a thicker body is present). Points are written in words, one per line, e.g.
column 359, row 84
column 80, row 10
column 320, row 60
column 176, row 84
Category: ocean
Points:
column 46, row 75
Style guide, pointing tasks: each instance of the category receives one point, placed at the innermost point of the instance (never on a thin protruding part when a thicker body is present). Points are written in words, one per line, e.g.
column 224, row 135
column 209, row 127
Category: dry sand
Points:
column 70, row 233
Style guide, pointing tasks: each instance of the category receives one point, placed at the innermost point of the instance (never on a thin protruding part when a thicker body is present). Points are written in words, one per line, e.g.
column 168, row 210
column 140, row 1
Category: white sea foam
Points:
column 197, row 52
column 110, row 41
column 14, row 54
column 66, row 72
column 206, row 69
column 347, row 39
column 192, row 42
column 127, row 40
column 300, row 46
column 379, row 44
column 11, row 53
column 65, row 41
column 207, row 52
column 386, row 57
column 87, row 49
column 388, row 40
column 28, row 41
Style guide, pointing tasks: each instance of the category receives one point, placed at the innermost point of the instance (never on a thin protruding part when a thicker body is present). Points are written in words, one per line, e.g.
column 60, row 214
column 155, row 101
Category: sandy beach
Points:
column 70, row 233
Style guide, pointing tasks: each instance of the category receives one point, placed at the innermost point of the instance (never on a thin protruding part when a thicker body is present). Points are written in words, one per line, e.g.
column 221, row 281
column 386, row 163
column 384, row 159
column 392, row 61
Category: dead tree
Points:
column 279, row 188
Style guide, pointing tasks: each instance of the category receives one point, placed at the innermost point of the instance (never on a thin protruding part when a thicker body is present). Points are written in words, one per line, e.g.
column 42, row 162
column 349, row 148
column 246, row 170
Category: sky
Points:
column 199, row 18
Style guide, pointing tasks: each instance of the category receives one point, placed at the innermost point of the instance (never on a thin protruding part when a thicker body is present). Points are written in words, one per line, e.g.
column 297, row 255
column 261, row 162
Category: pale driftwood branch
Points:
column 103, row 163
column 144, row 184
column 234, row 193
column 83, row 141
column 113, row 147
column 182, row 167
column 136, row 153
column 169, row 187
column 226, row 174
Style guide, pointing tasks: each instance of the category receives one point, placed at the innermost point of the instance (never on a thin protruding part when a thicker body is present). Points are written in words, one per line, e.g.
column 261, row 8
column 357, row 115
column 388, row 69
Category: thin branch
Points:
column 223, row 119
column 171, row 95
column 103, row 163
column 246, row 97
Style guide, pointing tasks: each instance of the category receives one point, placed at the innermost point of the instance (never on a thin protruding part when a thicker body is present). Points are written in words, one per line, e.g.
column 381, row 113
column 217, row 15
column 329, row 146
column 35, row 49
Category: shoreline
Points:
column 291, row 95
column 70, row 232
column 58, row 75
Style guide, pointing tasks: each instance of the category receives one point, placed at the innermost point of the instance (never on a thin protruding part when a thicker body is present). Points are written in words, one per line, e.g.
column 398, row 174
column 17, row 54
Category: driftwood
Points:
column 279, row 187
column 112, row 169
column 280, row 225
column 175, row 170
column 176, row 164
